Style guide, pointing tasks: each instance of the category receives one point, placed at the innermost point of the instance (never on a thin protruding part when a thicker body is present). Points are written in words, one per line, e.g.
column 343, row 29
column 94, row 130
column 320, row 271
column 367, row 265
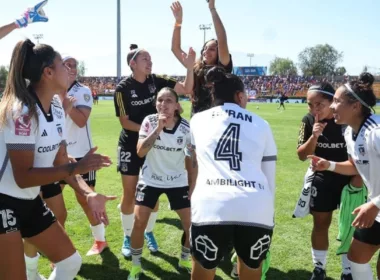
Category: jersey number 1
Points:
column 228, row 147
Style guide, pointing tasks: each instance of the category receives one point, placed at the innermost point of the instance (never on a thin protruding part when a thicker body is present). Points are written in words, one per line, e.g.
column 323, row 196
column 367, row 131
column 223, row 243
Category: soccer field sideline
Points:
column 291, row 257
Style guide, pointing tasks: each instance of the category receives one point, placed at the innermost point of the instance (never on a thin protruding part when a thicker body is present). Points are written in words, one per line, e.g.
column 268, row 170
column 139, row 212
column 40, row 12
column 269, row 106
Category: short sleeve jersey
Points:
column 359, row 151
column 231, row 143
column 164, row 165
column 79, row 139
column 202, row 96
column 136, row 100
column 23, row 133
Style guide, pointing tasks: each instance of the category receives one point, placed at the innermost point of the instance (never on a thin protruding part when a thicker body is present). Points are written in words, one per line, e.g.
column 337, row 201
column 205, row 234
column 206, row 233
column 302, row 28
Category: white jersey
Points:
column 23, row 133
column 233, row 187
column 164, row 165
column 364, row 150
column 79, row 139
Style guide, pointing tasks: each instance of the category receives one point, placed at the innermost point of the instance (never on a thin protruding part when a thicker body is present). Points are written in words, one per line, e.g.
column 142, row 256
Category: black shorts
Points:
column 210, row 243
column 128, row 162
column 51, row 190
column 326, row 193
column 30, row 217
column 89, row 178
column 369, row 235
column 148, row 196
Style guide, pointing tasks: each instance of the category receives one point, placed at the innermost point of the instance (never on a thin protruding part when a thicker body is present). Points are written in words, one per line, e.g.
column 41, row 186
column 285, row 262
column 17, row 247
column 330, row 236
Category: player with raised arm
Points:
column 163, row 138
column 352, row 106
column 26, row 113
column 134, row 100
column 31, row 15
column 214, row 53
column 321, row 136
column 236, row 155
column 79, row 142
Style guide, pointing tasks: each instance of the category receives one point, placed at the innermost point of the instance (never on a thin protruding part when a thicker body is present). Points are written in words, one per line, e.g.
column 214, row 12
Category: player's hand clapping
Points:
column 92, row 161
column 97, row 203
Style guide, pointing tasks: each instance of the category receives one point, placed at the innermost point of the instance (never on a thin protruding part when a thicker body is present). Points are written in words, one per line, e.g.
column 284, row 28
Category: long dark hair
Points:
column 224, row 85
column 27, row 64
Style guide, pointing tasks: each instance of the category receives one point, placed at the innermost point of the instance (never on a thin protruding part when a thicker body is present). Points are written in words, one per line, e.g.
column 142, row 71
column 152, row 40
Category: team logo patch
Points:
column 133, row 93
column 140, row 196
column 87, row 97
column 124, row 167
column 146, row 127
column 184, row 129
column 206, row 247
column 180, row 140
column 260, row 247
column 314, row 192
column 23, row 126
column 361, row 150
column 59, row 129
column 152, row 88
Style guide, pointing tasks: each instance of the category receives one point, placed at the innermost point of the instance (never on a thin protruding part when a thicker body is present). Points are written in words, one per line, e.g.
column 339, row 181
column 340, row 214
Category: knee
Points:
column 322, row 224
column 139, row 225
column 70, row 266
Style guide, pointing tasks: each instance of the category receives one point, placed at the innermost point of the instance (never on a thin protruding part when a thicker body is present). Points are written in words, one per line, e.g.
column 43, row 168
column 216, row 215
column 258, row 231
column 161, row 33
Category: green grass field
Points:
column 291, row 257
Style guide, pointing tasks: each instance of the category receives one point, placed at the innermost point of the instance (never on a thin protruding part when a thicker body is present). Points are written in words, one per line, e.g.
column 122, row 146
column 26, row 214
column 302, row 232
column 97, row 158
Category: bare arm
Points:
column 191, row 165
column 187, row 86
column 144, row 145
column 345, row 168
column 224, row 54
column 128, row 124
column 176, row 39
column 6, row 29
column 307, row 148
column 79, row 116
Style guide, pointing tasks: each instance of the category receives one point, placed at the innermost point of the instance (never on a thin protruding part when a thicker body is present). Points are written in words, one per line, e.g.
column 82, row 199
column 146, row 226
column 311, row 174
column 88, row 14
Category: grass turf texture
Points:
column 291, row 257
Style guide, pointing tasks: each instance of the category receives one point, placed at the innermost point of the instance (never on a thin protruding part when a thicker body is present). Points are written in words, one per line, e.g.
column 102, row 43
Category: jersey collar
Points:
column 355, row 136
column 49, row 115
column 172, row 131
column 72, row 85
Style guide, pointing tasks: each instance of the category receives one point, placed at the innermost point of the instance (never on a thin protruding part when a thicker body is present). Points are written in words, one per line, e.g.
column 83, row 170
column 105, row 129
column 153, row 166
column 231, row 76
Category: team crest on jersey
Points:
column 59, row 129
column 152, row 88
column 133, row 93
column 180, row 140
column 361, row 150
column 87, row 97
column 124, row 167
column 23, row 126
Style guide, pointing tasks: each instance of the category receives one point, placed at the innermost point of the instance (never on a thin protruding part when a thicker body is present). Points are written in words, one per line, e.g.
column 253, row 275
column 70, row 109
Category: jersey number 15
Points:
column 227, row 148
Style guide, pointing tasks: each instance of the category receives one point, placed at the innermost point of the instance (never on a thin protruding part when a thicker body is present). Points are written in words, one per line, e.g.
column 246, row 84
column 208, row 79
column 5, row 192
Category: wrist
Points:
column 332, row 166
column 212, row 9
column 71, row 167
column 178, row 23
column 376, row 201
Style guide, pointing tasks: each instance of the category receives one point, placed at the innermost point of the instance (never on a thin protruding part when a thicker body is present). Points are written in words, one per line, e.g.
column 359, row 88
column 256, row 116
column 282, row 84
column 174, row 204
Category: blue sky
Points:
column 87, row 29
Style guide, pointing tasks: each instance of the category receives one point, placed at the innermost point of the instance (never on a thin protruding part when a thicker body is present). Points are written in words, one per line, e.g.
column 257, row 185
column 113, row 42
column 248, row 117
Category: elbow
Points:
column 140, row 152
column 301, row 155
column 22, row 181
column 81, row 124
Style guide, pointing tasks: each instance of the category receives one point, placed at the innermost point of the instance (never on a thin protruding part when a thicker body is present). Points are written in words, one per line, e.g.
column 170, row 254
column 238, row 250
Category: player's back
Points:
column 231, row 143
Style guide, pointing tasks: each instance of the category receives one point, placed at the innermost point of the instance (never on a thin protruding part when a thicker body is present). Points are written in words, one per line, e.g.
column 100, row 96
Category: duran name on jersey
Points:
column 164, row 165
column 79, row 139
column 24, row 133
column 136, row 100
column 231, row 144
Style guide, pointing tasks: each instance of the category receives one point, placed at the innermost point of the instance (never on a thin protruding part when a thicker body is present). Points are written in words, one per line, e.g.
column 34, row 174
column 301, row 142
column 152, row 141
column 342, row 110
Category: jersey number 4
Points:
column 228, row 147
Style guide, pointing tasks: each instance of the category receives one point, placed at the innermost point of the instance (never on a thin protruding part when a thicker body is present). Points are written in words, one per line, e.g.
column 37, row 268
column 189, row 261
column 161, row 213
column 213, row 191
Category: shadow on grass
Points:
column 175, row 222
column 298, row 274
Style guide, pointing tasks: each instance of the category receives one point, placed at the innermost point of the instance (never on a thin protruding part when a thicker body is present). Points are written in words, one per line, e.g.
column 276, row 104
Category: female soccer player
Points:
column 134, row 100
column 321, row 136
column 163, row 138
column 213, row 53
column 236, row 156
column 31, row 15
column 352, row 106
column 26, row 115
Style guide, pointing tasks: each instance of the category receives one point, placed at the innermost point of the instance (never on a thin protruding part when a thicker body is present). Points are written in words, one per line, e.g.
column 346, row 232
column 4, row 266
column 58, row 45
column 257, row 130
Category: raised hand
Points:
column 177, row 11
column 162, row 120
column 211, row 4
column 33, row 14
column 318, row 127
column 92, row 161
column 318, row 164
column 68, row 103
column 189, row 59
column 97, row 203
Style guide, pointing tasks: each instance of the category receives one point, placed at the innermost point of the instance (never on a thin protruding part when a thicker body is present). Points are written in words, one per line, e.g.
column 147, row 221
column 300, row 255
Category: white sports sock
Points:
column 99, row 232
column 32, row 266
column 67, row 268
column 127, row 223
column 185, row 253
column 151, row 222
column 136, row 256
column 361, row 271
column 319, row 258
column 346, row 264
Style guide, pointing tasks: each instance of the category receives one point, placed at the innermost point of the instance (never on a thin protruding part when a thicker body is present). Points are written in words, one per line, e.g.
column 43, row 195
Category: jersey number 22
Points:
column 228, row 147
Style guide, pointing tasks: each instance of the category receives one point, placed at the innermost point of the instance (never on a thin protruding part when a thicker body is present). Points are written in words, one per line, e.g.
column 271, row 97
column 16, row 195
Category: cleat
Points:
column 234, row 271
column 151, row 242
column 346, row 276
column 126, row 249
column 97, row 248
column 135, row 273
column 318, row 274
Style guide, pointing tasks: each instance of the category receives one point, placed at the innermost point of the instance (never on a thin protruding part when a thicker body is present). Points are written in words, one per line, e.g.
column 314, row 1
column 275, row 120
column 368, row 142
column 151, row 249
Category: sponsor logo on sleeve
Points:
column 23, row 126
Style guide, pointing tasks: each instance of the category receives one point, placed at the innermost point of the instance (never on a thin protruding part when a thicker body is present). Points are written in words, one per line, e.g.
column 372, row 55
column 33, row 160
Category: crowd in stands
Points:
column 255, row 85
